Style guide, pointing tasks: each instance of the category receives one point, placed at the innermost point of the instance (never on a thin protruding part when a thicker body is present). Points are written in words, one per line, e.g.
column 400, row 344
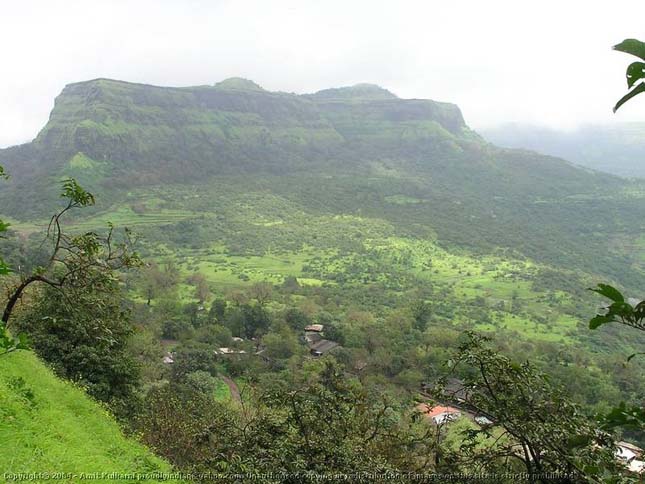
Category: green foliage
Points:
column 427, row 231
column 635, row 70
column 214, row 334
column 619, row 311
column 217, row 310
column 281, row 343
column 75, row 194
column 421, row 313
column 75, row 259
column 325, row 425
column 542, row 430
column 83, row 334
column 49, row 424
column 202, row 382
column 296, row 319
column 194, row 357
column 7, row 342
column 292, row 150
column 256, row 320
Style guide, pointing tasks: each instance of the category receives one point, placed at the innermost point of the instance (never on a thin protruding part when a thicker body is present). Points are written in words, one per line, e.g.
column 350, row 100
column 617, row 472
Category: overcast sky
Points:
column 545, row 62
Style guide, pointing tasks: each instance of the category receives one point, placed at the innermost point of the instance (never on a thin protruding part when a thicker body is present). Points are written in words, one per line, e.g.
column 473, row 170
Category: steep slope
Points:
column 53, row 429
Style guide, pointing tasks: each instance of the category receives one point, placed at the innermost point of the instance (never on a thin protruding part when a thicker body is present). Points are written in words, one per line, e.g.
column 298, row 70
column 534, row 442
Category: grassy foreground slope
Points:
column 54, row 428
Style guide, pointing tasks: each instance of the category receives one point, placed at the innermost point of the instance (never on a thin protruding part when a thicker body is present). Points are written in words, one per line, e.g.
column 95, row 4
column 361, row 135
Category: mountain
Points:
column 51, row 426
column 357, row 151
column 145, row 134
column 617, row 148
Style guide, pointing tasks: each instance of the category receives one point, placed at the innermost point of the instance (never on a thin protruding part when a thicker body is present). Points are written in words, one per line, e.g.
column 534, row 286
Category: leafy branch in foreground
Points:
column 622, row 312
column 74, row 260
column 535, row 427
column 619, row 311
column 635, row 71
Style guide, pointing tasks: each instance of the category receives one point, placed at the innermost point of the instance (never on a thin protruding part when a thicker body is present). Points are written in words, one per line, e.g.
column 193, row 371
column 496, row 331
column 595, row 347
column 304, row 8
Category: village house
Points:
column 631, row 456
column 322, row 347
column 454, row 390
column 228, row 351
column 314, row 339
column 483, row 421
column 439, row 414
column 311, row 338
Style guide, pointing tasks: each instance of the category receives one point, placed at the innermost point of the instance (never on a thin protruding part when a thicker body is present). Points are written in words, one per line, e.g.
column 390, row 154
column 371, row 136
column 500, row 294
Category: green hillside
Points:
column 350, row 151
column 53, row 428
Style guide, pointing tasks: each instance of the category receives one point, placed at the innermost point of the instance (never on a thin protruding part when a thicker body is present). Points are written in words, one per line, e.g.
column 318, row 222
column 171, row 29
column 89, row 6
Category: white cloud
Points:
column 545, row 62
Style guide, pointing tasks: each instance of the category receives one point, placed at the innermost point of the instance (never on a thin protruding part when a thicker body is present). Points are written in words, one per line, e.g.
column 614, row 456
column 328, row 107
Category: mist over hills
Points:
column 352, row 150
column 618, row 148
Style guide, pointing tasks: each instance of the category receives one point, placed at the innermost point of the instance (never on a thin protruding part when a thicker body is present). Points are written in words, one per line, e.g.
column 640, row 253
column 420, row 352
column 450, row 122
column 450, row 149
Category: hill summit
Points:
column 358, row 91
column 239, row 83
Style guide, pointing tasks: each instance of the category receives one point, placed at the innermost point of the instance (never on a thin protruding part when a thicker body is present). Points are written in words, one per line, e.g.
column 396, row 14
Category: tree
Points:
column 421, row 313
column 202, row 382
column 149, row 282
column 296, row 319
column 214, row 334
column 217, row 311
column 620, row 311
column 194, row 357
column 281, row 343
column 540, row 430
column 7, row 342
column 4, row 269
column 255, row 320
column 84, row 333
column 75, row 260
column 261, row 292
column 323, row 424
column 202, row 291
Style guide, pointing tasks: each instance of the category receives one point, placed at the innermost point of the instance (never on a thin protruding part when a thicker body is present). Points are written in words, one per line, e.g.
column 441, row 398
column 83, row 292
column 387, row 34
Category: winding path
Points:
column 232, row 386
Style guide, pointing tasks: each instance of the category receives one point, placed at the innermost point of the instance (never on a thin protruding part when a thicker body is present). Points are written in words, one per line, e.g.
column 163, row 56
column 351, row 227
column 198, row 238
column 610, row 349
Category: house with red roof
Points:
column 439, row 414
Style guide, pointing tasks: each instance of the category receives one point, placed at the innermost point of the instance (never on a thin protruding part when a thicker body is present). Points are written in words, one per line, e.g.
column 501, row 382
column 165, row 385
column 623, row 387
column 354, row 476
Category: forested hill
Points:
column 354, row 150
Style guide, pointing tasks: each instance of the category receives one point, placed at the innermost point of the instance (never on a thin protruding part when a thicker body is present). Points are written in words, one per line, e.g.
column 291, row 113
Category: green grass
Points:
column 222, row 392
column 52, row 426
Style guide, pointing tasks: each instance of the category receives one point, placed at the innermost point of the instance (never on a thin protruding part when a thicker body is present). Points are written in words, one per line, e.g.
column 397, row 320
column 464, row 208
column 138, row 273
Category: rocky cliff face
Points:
column 230, row 127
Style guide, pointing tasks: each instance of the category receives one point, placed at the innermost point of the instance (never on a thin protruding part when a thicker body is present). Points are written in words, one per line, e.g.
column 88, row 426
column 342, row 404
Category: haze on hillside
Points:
column 616, row 148
column 501, row 61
